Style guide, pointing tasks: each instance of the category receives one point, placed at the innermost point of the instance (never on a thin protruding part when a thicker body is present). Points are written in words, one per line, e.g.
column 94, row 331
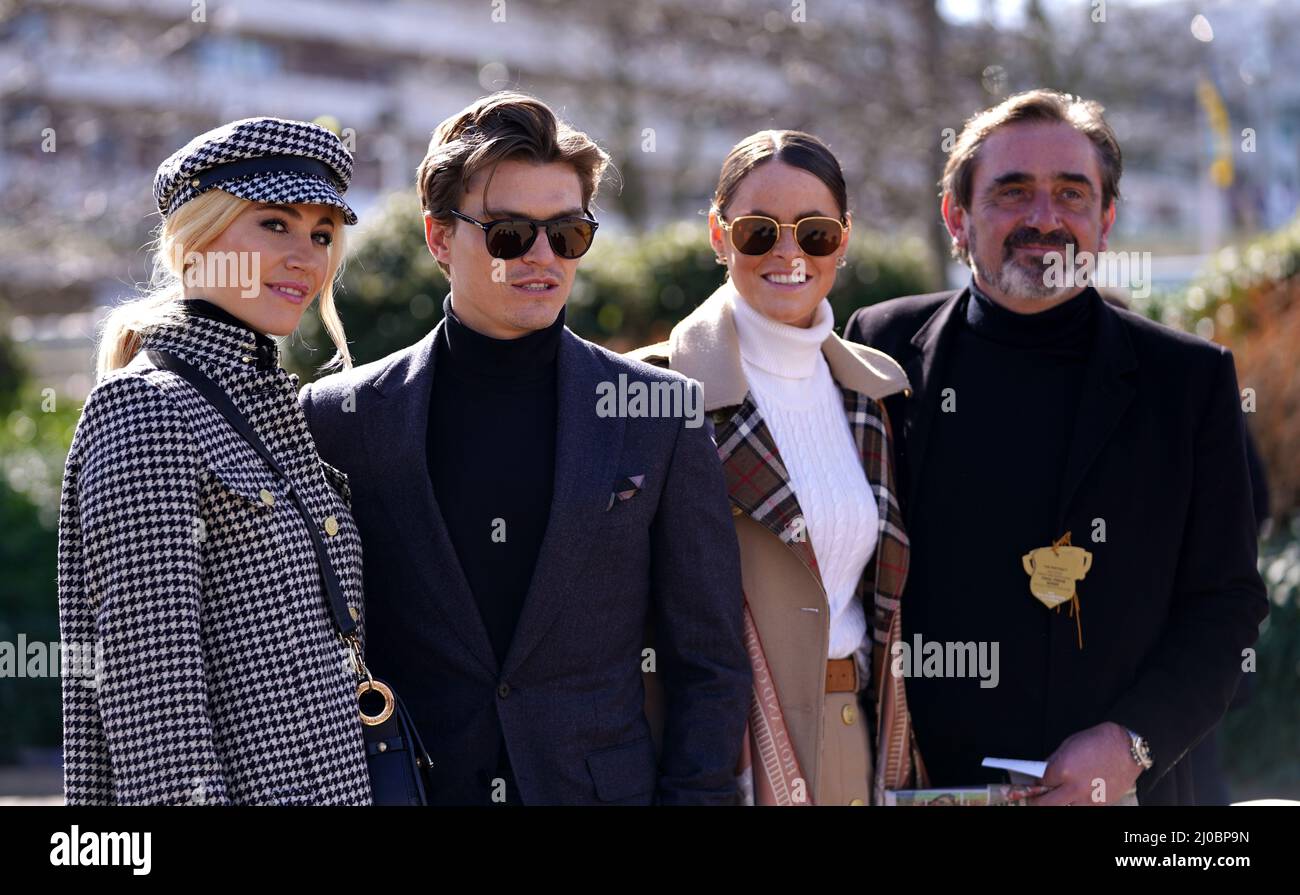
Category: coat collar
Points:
column 588, row 447
column 230, row 352
column 928, row 343
column 1107, row 391
column 705, row 347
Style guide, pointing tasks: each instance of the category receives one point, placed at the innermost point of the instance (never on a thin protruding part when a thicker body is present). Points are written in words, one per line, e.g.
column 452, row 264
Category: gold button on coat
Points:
column 856, row 802
column 352, row 611
column 267, row 498
column 848, row 714
column 331, row 526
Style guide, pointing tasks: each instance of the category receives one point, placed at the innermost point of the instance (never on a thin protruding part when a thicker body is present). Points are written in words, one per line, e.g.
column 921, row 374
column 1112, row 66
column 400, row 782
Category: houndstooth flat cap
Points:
column 262, row 160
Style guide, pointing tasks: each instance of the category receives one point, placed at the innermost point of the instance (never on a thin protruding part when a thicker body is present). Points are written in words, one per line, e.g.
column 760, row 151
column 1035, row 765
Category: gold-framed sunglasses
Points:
column 756, row 234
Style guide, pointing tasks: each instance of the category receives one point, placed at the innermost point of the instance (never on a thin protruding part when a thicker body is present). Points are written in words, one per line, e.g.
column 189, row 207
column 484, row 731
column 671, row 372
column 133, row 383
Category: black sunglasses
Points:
column 513, row 237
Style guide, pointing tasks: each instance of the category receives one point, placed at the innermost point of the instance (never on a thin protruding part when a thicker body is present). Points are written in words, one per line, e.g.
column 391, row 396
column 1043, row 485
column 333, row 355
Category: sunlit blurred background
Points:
column 1205, row 98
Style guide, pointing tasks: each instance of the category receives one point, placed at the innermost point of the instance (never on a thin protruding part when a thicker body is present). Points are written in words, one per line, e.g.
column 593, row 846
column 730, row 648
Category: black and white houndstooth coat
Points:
column 217, row 676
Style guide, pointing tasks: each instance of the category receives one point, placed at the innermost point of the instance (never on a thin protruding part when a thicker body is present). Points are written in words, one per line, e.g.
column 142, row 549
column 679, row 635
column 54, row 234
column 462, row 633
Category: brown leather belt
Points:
column 841, row 675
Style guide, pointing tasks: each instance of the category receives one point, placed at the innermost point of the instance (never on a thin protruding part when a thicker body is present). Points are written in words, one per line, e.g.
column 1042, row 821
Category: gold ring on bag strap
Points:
column 382, row 689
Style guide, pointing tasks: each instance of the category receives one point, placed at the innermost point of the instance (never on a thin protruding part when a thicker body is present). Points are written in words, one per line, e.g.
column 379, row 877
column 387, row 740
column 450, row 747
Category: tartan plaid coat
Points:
column 706, row 348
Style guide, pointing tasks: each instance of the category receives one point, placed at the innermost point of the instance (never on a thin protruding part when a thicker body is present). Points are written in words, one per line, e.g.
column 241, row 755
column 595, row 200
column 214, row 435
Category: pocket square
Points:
column 625, row 489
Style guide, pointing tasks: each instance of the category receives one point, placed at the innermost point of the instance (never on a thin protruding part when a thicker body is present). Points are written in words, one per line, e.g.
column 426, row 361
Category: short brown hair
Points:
column 504, row 125
column 795, row 148
column 1041, row 105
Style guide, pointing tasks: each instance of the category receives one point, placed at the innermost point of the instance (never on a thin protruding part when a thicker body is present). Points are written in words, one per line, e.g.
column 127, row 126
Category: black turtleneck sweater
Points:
column 491, row 443
column 992, row 473
column 492, row 460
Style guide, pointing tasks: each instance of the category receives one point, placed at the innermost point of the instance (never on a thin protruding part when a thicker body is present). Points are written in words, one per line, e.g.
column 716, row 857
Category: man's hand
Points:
column 1092, row 767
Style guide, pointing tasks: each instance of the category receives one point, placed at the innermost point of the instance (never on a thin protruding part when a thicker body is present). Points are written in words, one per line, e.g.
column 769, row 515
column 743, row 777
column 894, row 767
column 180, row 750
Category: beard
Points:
column 1024, row 279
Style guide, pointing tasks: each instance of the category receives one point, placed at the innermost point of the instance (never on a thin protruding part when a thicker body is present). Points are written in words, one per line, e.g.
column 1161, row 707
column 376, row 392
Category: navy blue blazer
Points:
column 1160, row 452
column 569, row 697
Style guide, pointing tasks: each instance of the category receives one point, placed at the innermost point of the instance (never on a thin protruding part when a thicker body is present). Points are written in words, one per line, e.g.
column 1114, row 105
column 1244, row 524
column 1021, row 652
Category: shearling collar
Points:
column 705, row 347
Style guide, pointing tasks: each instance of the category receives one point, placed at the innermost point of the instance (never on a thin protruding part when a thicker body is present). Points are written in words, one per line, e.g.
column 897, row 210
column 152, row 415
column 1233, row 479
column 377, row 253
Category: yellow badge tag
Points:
column 1053, row 572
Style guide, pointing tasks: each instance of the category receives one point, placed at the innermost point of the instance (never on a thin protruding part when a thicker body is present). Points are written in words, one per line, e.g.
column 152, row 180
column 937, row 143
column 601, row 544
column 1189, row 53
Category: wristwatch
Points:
column 1139, row 749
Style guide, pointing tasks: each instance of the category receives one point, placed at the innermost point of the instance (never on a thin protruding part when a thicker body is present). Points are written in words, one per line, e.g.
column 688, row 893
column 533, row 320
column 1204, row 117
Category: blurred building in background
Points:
column 94, row 93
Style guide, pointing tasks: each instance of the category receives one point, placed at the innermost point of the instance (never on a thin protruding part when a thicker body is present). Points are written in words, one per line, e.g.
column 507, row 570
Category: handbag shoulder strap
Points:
column 215, row 396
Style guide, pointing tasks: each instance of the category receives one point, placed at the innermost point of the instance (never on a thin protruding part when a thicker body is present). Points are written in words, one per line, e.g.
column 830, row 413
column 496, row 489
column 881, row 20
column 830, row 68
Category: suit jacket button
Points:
column 857, row 802
column 331, row 526
column 503, row 690
column 267, row 498
column 355, row 613
column 848, row 714
column 735, row 510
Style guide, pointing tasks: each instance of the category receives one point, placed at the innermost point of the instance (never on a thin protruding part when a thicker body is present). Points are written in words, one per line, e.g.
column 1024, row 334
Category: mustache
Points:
column 1057, row 239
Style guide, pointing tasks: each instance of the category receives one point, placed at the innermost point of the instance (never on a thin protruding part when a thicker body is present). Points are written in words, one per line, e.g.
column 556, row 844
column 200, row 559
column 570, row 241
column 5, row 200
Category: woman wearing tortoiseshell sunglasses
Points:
column 804, row 441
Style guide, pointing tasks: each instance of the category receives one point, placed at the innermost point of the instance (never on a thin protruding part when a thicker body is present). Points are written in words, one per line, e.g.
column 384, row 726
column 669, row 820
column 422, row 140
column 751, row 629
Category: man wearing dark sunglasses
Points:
column 517, row 541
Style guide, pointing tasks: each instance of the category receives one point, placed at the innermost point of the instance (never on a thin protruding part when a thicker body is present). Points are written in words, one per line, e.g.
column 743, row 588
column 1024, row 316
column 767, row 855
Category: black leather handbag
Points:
column 396, row 759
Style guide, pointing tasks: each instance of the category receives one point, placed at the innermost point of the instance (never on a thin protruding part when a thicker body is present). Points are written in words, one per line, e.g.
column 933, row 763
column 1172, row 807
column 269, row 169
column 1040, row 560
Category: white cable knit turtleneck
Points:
column 804, row 409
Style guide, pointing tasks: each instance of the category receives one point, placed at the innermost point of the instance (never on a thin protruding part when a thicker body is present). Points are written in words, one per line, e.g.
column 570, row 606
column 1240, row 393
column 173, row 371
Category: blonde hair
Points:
column 189, row 229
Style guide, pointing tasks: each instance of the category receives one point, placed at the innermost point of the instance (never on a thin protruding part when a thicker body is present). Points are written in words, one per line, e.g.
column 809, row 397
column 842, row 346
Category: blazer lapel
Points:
column 587, row 450
column 758, row 482
column 930, row 341
column 1105, row 398
column 704, row 347
column 399, row 421
column 886, row 573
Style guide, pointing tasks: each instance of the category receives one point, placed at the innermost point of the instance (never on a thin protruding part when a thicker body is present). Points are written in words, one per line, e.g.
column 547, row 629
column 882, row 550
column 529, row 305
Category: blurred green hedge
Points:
column 1262, row 738
column 35, row 431
column 1248, row 299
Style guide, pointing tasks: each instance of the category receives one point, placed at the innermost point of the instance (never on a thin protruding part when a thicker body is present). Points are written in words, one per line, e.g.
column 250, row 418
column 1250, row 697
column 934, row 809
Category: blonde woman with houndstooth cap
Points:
column 190, row 567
